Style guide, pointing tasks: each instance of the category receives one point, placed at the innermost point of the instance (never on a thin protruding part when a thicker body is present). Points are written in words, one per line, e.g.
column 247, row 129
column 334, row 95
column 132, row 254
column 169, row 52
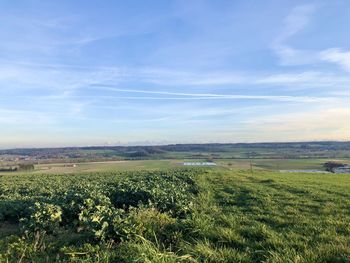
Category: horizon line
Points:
column 171, row 144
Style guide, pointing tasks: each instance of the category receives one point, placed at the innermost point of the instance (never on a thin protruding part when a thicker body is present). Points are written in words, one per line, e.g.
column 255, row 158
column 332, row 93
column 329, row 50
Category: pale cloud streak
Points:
column 338, row 56
column 307, row 79
column 295, row 22
column 66, row 78
column 18, row 117
column 207, row 96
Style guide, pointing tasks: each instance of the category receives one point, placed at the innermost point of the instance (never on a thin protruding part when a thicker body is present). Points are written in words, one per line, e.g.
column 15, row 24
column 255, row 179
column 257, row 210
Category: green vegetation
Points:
column 273, row 217
column 19, row 167
column 93, row 215
column 182, row 215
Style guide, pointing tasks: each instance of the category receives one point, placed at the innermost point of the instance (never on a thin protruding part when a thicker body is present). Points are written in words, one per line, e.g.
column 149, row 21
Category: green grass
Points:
column 278, row 164
column 272, row 217
column 283, row 164
column 236, row 217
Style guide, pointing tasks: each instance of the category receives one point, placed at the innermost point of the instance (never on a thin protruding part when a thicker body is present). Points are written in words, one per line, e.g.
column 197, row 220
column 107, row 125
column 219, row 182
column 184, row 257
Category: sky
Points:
column 88, row 72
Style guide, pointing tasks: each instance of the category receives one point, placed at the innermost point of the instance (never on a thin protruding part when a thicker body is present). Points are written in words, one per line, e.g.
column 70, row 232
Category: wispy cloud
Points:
column 66, row 76
column 207, row 96
column 295, row 22
column 307, row 79
column 175, row 77
column 51, row 77
column 60, row 81
column 19, row 117
column 338, row 56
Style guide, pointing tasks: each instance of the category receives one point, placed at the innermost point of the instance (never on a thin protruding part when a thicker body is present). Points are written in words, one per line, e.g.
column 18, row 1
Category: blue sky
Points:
column 139, row 72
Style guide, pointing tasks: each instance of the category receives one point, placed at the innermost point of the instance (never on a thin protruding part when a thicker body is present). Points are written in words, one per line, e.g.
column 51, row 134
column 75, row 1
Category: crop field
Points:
column 175, row 215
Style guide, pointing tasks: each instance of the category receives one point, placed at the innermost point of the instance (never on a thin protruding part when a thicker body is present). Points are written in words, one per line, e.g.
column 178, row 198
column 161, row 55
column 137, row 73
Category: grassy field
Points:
column 277, row 164
column 228, row 216
column 285, row 164
column 272, row 217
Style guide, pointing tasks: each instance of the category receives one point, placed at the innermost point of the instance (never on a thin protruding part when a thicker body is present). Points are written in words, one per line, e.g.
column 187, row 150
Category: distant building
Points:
column 336, row 167
column 70, row 165
column 199, row 164
column 342, row 170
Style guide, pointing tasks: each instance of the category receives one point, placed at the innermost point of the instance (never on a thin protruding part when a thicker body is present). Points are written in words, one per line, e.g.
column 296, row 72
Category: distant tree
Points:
column 138, row 154
column 8, row 169
column 25, row 167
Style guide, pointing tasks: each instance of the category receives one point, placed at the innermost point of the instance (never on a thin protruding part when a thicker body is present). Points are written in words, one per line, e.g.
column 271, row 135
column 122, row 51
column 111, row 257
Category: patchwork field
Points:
column 181, row 215
column 80, row 167
column 135, row 165
column 106, row 166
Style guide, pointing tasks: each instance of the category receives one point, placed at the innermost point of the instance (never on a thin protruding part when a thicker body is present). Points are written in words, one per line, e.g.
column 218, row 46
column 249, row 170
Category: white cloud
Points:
column 335, row 55
column 291, row 56
column 295, row 22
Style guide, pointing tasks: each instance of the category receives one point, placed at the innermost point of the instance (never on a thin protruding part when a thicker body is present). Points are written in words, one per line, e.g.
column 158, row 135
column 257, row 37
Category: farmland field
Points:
column 175, row 215
column 135, row 165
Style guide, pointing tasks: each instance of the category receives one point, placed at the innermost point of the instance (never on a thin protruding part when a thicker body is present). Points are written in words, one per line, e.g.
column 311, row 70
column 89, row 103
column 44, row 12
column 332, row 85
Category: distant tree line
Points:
column 19, row 167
